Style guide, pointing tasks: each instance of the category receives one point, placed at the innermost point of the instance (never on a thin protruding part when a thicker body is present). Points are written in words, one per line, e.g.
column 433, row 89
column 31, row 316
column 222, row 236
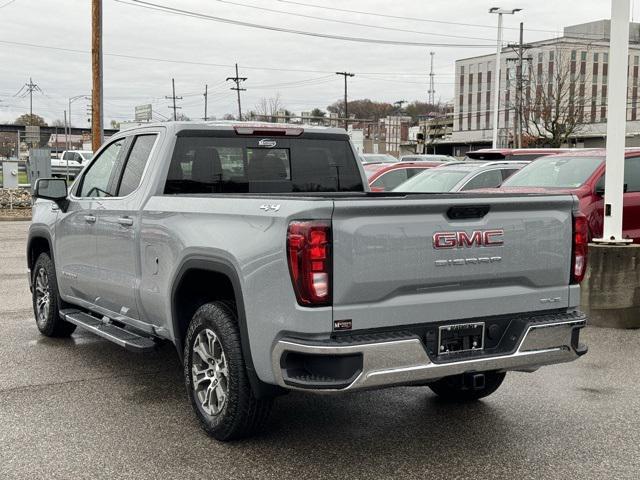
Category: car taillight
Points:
column 309, row 255
column 580, row 247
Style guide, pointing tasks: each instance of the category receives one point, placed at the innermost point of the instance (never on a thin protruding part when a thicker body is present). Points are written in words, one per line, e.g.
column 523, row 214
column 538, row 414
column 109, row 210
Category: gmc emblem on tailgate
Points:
column 478, row 238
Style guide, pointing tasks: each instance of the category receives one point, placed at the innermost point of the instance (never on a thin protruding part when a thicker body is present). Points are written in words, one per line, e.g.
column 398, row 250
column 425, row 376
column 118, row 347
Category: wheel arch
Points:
column 39, row 241
column 196, row 267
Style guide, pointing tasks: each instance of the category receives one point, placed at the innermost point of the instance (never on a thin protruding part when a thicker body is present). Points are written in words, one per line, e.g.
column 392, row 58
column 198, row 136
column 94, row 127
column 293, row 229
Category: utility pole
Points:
column 432, row 91
column 174, row 98
column 206, row 96
column 346, row 107
column 97, row 135
column 237, row 79
column 28, row 89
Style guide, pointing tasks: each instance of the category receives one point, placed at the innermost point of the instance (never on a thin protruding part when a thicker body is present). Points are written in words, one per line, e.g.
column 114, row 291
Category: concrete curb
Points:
column 610, row 292
column 15, row 219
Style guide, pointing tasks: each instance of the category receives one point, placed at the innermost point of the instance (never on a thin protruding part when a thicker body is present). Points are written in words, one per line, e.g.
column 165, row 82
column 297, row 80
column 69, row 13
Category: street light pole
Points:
column 71, row 100
column 616, row 123
column 496, row 88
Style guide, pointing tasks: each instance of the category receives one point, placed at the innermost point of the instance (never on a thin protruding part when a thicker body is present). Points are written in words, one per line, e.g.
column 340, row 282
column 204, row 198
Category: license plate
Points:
column 463, row 337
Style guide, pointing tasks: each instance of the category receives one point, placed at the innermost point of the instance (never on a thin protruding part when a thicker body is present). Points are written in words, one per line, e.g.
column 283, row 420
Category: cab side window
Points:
column 95, row 182
column 133, row 169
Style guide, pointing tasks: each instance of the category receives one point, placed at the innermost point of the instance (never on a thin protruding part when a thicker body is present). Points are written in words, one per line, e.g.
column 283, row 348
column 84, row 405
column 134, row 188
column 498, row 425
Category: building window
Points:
column 595, row 57
column 489, row 80
column 605, row 57
column 583, row 56
column 552, row 56
column 487, row 107
column 573, row 55
column 479, row 81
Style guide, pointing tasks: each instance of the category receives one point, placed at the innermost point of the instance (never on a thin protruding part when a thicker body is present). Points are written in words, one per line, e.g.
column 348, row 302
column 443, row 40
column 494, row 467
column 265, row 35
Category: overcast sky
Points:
column 208, row 50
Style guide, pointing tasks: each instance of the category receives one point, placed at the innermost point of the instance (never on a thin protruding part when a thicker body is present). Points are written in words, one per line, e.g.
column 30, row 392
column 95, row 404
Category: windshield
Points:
column 555, row 172
column 435, row 180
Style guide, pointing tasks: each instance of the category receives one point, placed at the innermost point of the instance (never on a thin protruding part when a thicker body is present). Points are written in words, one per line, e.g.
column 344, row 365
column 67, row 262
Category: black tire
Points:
column 454, row 388
column 44, row 283
column 241, row 414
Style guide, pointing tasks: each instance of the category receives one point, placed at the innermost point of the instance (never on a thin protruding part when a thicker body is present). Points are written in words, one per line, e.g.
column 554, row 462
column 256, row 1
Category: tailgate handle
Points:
column 467, row 211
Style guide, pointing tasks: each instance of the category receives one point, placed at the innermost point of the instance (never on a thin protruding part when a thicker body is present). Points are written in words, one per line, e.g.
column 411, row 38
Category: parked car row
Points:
column 580, row 172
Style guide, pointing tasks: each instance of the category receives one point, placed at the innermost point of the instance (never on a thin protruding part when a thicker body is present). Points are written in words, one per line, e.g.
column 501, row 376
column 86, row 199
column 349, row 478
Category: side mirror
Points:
column 54, row 189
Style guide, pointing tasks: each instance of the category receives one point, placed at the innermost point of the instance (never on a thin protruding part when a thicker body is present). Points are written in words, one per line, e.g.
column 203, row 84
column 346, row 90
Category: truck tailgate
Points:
column 390, row 270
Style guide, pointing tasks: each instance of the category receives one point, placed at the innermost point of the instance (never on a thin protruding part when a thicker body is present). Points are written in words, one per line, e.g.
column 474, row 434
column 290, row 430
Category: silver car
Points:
column 427, row 158
column 461, row 176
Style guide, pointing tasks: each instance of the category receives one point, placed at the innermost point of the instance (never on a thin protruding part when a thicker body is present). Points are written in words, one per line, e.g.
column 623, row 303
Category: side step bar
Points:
column 120, row 336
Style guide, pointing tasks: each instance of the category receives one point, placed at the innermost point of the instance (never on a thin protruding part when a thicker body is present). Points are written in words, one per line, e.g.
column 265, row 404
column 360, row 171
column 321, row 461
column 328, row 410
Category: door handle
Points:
column 90, row 218
column 125, row 221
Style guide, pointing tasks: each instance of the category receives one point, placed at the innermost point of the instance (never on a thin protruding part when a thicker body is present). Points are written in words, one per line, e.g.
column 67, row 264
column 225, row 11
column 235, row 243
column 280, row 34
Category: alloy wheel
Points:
column 209, row 372
column 43, row 296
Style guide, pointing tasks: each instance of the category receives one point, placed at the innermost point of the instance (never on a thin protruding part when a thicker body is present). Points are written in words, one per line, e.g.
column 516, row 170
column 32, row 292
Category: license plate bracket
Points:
column 461, row 337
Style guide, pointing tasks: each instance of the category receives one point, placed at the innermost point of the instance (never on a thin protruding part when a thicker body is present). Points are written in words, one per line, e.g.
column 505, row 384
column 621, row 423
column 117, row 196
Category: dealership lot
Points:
column 84, row 408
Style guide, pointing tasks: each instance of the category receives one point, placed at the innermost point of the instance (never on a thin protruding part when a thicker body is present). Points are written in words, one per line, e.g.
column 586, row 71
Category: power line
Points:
column 347, row 22
column 7, row 4
column 400, row 17
column 202, row 16
column 187, row 62
column 237, row 79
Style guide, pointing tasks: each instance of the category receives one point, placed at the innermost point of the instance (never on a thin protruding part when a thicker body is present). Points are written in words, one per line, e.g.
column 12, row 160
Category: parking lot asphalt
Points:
column 85, row 408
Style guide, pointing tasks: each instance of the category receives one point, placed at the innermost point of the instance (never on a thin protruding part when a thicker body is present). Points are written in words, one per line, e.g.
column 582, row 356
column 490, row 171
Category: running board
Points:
column 120, row 336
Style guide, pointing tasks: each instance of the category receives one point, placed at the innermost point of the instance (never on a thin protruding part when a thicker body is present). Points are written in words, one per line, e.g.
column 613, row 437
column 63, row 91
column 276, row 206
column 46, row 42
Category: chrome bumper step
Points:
column 404, row 360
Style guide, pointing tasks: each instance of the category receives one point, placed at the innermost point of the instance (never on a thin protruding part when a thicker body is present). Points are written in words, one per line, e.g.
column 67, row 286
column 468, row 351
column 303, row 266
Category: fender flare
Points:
column 36, row 232
column 224, row 267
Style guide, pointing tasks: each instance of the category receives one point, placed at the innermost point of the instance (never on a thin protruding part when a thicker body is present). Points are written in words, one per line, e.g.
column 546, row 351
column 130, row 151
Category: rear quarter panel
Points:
column 238, row 232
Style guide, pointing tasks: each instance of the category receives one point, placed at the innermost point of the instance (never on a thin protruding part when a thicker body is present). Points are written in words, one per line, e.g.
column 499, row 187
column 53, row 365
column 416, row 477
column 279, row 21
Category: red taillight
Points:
column 309, row 254
column 580, row 247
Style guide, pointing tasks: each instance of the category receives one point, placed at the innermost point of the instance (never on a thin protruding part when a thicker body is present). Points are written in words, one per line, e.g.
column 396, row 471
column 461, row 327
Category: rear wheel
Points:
column 467, row 388
column 216, row 377
column 46, row 299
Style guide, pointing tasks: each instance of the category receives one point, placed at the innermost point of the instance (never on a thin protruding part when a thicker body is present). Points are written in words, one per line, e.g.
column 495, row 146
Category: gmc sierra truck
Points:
column 260, row 253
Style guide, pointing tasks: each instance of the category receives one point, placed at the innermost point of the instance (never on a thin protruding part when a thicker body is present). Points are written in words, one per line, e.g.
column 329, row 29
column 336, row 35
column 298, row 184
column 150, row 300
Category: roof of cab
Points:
column 231, row 125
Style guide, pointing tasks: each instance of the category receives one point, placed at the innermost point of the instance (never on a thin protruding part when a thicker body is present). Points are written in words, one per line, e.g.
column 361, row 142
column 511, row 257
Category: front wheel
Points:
column 466, row 388
column 46, row 299
column 216, row 378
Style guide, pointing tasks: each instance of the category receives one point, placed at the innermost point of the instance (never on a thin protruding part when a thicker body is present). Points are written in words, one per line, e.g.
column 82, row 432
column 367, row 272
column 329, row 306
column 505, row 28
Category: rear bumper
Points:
column 380, row 360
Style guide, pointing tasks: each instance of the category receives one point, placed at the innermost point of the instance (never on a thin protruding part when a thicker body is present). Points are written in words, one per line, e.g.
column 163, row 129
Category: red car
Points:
column 581, row 173
column 516, row 154
column 384, row 177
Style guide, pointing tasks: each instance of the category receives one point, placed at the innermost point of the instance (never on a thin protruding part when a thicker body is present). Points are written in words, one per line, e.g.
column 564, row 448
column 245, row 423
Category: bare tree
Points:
column 556, row 99
column 267, row 108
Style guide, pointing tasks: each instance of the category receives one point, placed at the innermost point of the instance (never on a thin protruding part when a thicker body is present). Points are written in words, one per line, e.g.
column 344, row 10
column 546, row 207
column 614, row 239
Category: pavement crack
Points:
column 82, row 380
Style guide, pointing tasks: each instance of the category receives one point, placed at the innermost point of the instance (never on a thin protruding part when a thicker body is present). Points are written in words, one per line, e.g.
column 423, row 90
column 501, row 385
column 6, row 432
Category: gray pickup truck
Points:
column 258, row 251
